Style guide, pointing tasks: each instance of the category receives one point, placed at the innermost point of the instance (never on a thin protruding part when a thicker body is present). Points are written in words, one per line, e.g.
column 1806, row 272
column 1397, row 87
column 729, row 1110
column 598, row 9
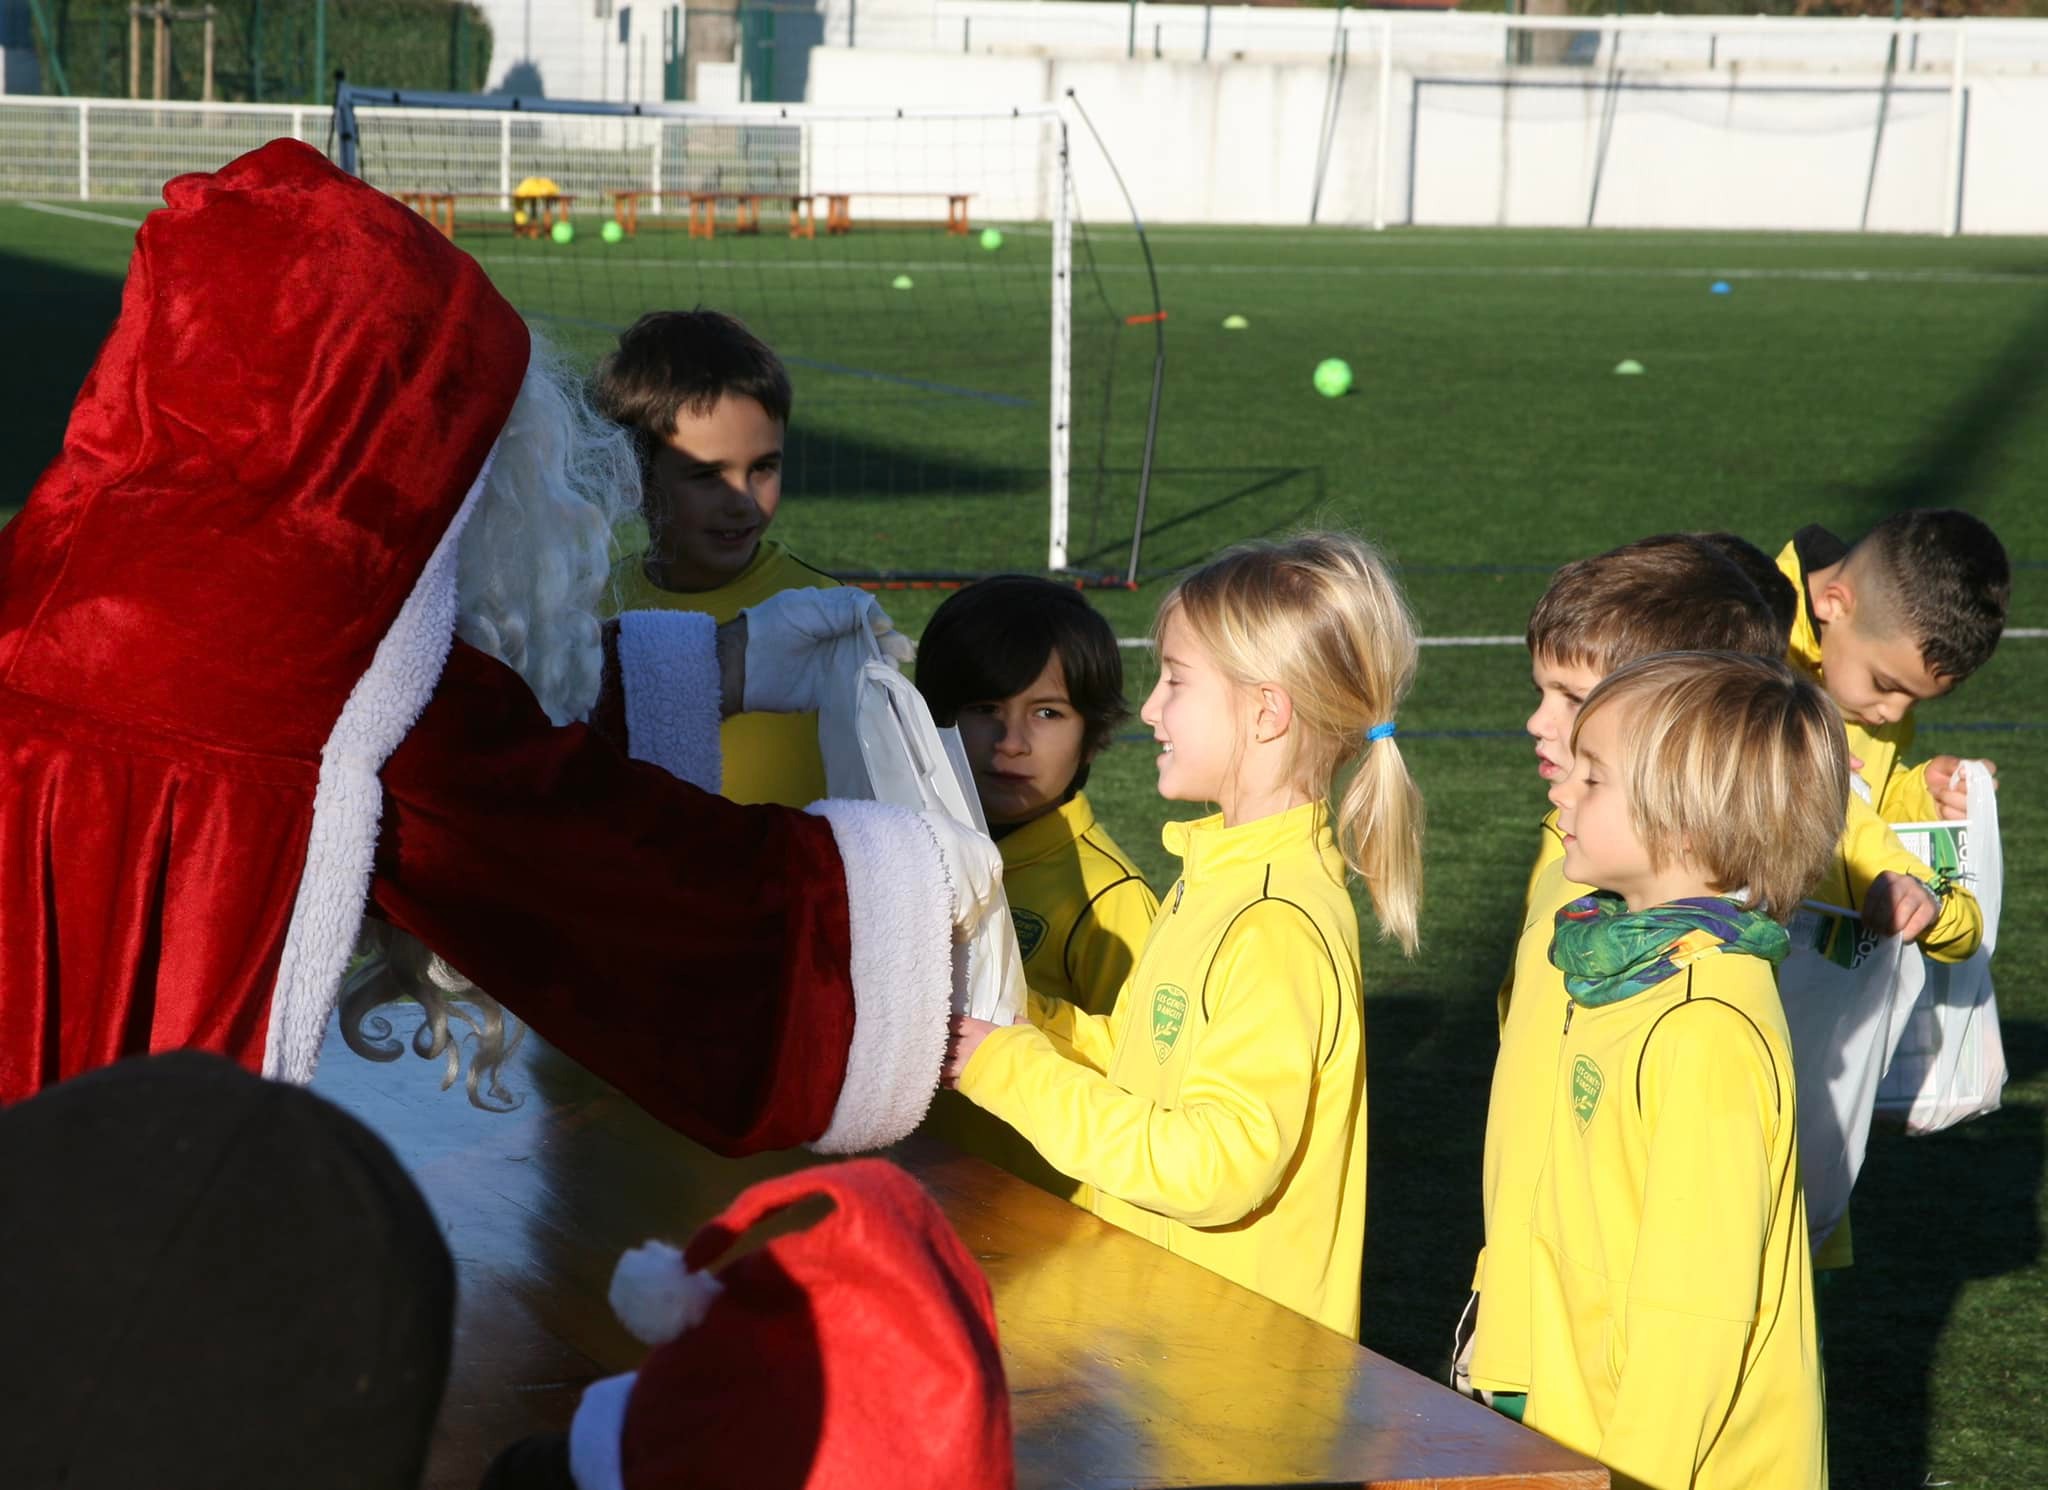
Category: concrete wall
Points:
column 1475, row 144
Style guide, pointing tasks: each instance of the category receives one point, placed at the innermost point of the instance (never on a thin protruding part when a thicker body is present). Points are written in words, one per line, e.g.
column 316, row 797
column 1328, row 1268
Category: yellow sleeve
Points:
column 1075, row 1033
column 1244, row 1098
column 1871, row 848
column 1105, row 942
column 1907, row 798
column 1710, row 1104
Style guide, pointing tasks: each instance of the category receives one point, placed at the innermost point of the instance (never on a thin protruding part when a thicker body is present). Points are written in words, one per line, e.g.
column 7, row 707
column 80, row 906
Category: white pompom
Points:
column 656, row 1296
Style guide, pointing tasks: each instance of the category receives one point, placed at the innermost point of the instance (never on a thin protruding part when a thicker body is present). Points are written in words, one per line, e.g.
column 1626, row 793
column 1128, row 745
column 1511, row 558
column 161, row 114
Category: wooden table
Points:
column 839, row 208
column 703, row 205
column 1127, row 1366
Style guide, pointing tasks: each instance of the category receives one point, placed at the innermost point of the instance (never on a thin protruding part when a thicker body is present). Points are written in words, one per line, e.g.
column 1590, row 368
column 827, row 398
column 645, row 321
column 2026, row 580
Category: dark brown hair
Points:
column 989, row 640
column 672, row 360
column 1654, row 595
column 1944, row 578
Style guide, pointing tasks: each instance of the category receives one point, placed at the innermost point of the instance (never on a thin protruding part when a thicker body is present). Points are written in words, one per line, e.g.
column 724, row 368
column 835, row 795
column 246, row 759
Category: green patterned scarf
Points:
column 1608, row 952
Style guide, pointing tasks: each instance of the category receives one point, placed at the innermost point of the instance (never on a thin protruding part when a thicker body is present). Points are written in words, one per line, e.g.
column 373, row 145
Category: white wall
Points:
column 573, row 52
column 1672, row 147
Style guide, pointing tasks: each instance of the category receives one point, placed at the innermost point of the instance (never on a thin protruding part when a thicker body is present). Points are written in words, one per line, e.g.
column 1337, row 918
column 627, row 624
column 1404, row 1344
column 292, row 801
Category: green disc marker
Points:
column 1235, row 323
column 1333, row 377
column 1628, row 368
column 900, row 282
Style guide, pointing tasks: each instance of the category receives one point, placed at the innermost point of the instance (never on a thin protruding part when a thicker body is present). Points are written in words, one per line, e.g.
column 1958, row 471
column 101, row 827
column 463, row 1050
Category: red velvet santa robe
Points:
column 231, row 719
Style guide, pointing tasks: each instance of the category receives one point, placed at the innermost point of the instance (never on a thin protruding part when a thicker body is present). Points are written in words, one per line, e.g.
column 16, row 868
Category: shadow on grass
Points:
column 1931, row 1216
column 1192, row 512
column 56, row 318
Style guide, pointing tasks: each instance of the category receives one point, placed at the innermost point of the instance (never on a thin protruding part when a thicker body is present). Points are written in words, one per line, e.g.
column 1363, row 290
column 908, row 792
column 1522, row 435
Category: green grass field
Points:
column 1486, row 442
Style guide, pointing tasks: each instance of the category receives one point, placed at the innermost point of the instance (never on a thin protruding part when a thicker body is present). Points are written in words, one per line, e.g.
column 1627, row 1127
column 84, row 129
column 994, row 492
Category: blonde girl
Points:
column 1219, row 1110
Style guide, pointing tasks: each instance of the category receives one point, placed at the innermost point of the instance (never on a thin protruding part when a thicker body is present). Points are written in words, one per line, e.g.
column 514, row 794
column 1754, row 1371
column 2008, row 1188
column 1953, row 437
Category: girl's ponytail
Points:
column 1379, row 829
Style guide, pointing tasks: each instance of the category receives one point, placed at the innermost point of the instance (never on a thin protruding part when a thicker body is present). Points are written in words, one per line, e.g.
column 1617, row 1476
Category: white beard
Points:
column 533, row 569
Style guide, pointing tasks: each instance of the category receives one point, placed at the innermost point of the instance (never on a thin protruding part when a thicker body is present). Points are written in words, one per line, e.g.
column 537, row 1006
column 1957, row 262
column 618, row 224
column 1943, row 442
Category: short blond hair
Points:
column 1734, row 760
column 1321, row 616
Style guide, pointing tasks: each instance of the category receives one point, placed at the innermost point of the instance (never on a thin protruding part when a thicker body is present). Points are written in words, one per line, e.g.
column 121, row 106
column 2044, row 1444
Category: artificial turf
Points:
column 1486, row 440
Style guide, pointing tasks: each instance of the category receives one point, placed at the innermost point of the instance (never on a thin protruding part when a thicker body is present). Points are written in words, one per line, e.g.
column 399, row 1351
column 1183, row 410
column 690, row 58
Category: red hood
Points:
column 303, row 384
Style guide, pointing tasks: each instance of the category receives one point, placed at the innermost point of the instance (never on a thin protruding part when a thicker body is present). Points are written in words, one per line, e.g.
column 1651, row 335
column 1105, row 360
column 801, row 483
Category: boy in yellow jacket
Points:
column 1597, row 615
column 1670, row 1291
column 1030, row 674
column 1902, row 616
column 708, row 403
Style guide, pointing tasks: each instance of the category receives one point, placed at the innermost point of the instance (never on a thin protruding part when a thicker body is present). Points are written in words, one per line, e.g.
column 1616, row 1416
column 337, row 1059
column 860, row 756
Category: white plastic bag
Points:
column 1950, row 1060
column 1840, row 987
column 880, row 744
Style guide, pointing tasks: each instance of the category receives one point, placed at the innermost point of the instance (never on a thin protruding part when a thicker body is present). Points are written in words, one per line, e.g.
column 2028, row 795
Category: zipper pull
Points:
column 1179, row 891
column 1569, row 1006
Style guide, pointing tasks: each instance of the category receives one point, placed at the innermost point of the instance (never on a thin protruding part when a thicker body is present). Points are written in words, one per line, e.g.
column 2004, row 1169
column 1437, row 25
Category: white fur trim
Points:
column 668, row 665
column 900, row 906
column 657, row 1297
column 596, row 1434
column 348, row 805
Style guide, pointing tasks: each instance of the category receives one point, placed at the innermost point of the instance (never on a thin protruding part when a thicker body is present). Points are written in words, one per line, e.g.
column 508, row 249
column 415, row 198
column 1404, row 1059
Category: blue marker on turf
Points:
column 1721, row 287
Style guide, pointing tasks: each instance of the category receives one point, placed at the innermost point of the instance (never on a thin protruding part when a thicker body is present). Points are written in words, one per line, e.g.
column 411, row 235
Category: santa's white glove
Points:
column 790, row 643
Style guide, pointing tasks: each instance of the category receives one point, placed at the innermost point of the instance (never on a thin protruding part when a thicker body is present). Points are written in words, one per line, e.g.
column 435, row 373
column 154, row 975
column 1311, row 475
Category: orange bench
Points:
column 839, row 208
column 438, row 208
column 703, row 207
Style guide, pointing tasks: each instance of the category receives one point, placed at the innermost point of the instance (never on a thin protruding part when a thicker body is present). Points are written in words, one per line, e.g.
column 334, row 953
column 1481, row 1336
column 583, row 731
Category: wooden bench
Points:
column 1126, row 1364
column 703, row 210
column 438, row 207
column 839, row 208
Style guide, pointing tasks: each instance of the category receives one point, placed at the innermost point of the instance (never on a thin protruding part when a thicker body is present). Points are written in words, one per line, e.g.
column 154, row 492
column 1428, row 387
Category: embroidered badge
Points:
column 1030, row 931
column 1169, row 1013
column 1586, row 1084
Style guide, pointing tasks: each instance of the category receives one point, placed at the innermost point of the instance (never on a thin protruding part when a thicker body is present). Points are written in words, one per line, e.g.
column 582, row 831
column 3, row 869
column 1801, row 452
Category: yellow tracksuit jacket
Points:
column 1516, row 1135
column 1897, row 795
column 767, row 757
column 1671, row 1326
column 1082, row 912
column 1220, row 1110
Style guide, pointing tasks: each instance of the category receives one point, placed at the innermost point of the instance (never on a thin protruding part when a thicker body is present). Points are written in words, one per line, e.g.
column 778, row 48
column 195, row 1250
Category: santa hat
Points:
column 858, row 1352
column 213, row 1282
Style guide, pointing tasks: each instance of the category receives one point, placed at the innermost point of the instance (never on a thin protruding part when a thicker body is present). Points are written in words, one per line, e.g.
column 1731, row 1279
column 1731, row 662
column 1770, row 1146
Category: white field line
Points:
column 1145, row 643
column 131, row 223
column 1357, row 271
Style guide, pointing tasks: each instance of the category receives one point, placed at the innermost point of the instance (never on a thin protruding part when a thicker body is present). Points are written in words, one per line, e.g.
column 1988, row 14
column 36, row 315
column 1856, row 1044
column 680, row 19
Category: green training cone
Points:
column 1628, row 367
column 1235, row 323
column 900, row 282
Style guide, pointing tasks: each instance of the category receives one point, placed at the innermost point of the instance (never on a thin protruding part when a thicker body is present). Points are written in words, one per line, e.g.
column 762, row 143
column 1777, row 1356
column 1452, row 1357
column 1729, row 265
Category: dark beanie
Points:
column 212, row 1282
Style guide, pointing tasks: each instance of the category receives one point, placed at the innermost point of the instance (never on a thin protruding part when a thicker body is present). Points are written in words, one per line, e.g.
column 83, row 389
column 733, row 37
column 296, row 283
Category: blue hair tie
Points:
column 1381, row 731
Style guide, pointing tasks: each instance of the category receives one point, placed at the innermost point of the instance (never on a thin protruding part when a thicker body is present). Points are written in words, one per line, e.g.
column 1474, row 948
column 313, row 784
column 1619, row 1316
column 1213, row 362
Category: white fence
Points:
column 106, row 150
column 1651, row 122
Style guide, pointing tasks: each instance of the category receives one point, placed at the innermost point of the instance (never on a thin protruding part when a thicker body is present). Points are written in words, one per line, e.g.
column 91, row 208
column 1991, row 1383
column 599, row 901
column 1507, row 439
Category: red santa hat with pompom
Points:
column 859, row 1352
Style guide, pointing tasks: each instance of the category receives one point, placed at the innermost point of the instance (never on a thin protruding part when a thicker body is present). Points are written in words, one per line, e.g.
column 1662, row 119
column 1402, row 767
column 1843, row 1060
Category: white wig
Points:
column 533, row 567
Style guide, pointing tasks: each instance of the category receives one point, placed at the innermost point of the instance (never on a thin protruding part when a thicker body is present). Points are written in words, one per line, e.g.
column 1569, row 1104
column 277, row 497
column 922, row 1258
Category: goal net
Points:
column 968, row 392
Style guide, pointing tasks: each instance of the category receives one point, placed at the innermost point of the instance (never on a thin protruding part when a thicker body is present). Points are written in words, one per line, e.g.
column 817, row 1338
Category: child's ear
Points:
column 1833, row 601
column 1275, row 713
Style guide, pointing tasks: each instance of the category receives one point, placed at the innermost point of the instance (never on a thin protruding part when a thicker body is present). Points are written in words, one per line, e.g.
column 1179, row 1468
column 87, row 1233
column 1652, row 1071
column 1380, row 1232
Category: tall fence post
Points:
column 84, row 151
column 1208, row 15
column 505, row 163
column 319, row 51
column 852, row 22
column 1386, row 124
column 1952, row 185
column 1131, row 39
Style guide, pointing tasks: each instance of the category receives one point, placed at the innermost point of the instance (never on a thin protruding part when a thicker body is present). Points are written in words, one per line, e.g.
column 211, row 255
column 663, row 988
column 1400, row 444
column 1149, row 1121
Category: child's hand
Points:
column 1950, row 788
column 1898, row 903
column 968, row 1033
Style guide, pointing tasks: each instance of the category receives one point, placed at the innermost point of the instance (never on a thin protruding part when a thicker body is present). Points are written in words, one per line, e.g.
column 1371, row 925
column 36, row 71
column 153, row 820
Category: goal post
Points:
column 915, row 269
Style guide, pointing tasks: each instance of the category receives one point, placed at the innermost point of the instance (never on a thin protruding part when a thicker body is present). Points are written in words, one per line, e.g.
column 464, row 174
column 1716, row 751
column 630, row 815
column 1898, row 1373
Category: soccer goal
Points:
column 970, row 384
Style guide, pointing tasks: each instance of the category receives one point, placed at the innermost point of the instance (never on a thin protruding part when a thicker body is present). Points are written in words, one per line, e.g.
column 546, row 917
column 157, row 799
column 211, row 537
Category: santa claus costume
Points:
column 236, row 716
